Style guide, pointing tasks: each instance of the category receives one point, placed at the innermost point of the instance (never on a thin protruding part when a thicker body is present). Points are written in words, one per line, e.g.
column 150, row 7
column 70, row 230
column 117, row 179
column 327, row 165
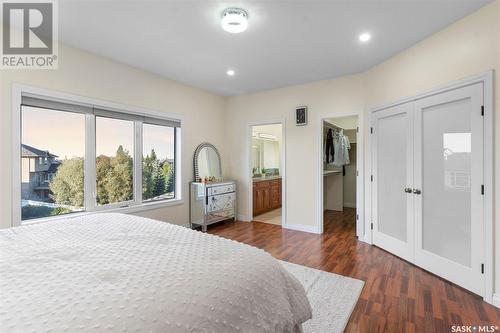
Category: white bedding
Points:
column 122, row 273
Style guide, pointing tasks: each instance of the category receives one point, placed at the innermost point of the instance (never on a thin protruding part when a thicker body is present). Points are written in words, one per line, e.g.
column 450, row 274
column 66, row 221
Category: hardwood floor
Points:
column 397, row 296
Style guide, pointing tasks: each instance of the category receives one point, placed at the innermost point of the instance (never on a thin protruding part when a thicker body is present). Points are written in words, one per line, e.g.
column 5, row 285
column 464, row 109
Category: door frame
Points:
column 278, row 121
column 486, row 79
column 361, row 222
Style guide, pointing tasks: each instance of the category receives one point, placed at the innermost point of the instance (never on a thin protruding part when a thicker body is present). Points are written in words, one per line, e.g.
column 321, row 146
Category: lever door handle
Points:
column 416, row 191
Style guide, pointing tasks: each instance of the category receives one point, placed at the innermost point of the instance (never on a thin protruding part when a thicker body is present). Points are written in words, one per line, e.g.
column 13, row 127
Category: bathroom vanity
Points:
column 266, row 194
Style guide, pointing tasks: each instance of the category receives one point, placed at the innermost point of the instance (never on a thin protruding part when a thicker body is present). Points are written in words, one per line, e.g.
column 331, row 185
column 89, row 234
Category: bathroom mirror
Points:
column 207, row 162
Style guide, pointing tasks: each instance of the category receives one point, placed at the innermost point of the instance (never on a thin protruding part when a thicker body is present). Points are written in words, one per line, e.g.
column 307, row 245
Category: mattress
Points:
column 122, row 273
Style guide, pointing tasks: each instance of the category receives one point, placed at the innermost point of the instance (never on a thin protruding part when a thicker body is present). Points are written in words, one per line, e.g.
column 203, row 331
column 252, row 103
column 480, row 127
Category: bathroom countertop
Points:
column 261, row 179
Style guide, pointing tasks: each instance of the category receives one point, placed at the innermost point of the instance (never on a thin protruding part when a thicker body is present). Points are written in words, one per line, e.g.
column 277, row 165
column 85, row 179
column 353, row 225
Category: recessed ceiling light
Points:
column 365, row 37
column 230, row 72
column 234, row 20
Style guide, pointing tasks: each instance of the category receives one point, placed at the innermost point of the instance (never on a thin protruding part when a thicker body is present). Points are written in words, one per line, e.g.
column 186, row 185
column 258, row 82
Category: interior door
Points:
column 448, row 185
column 392, row 178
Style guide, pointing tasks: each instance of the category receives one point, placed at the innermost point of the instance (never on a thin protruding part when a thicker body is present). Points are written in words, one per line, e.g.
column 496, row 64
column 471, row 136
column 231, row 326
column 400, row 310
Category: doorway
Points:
column 267, row 172
column 340, row 155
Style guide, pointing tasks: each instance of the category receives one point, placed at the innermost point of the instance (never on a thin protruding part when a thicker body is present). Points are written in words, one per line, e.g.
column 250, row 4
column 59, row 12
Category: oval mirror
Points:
column 207, row 162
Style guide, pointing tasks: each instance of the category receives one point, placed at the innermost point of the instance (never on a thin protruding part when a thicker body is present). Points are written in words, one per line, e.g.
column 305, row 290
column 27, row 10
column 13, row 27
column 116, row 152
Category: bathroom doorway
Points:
column 341, row 183
column 267, row 173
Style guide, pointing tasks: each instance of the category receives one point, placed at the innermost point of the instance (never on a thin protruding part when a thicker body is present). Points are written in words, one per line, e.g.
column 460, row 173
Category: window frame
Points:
column 90, row 186
column 176, row 134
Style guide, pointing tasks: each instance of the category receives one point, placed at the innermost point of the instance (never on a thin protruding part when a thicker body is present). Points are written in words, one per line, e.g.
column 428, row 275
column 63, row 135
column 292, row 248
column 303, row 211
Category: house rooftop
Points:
column 28, row 151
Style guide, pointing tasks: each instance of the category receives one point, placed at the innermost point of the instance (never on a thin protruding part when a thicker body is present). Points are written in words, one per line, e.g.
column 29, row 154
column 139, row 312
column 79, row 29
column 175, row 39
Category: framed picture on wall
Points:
column 301, row 115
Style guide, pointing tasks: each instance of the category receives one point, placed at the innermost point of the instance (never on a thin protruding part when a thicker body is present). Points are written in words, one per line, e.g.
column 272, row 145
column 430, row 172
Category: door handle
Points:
column 416, row 191
column 407, row 190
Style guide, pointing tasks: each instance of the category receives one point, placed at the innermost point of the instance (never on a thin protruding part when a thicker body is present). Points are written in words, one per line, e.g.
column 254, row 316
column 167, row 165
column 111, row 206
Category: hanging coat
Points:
column 330, row 151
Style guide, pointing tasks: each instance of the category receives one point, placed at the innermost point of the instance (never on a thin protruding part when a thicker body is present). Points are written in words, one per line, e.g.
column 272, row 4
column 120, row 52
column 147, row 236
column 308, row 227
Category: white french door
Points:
column 393, row 175
column 427, row 186
column 449, row 173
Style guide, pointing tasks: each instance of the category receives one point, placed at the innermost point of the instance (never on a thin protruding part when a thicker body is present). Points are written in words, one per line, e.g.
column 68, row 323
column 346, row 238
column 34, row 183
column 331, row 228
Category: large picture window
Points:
column 158, row 171
column 52, row 155
column 114, row 160
column 77, row 158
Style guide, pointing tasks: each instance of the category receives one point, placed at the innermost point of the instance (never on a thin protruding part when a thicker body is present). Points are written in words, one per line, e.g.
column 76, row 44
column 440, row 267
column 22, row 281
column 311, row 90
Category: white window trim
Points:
column 136, row 205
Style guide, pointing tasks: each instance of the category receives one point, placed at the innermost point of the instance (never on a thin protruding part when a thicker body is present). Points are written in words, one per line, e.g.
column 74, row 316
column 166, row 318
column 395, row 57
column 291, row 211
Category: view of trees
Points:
column 157, row 178
column 67, row 186
column 114, row 179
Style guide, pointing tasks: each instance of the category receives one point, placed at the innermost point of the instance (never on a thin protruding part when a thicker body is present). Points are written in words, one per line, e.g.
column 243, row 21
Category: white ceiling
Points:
column 287, row 42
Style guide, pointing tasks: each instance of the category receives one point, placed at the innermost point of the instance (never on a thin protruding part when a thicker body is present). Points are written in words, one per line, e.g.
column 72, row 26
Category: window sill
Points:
column 124, row 210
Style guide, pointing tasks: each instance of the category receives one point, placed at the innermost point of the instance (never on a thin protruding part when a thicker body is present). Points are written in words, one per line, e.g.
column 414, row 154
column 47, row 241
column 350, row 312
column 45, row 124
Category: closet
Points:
column 339, row 171
column 427, row 183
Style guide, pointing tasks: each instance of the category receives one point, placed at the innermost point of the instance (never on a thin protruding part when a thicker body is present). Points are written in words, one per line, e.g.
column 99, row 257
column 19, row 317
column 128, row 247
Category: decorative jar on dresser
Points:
column 211, row 198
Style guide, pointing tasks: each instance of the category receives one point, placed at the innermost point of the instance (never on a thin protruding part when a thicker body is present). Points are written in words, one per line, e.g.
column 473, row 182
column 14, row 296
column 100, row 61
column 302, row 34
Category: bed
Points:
column 122, row 273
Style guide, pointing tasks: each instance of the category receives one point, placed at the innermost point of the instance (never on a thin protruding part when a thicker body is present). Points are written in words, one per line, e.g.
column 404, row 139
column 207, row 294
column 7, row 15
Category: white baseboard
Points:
column 301, row 227
column 349, row 205
column 243, row 218
column 496, row 300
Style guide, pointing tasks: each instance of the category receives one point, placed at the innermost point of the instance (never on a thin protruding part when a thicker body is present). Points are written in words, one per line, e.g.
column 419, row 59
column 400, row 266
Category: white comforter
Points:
column 121, row 273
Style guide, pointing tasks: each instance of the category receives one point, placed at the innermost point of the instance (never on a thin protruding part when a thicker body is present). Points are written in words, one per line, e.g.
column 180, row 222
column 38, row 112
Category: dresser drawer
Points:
column 220, row 215
column 214, row 190
column 221, row 202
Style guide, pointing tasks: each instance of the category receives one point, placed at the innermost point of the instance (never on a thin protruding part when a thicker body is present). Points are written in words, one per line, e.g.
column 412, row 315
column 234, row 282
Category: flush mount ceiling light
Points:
column 230, row 72
column 234, row 20
column 365, row 37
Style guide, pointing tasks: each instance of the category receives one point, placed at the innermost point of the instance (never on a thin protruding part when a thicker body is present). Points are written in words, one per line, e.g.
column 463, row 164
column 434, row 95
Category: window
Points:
column 59, row 136
column 158, row 170
column 114, row 160
column 132, row 162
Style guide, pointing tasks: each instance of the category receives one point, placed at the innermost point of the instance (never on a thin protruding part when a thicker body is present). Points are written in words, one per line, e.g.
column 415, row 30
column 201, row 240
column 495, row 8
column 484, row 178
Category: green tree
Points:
column 119, row 179
column 168, row 175
column 147, row 176
column 103, row 169
column 159, row 179
column 154, row 176
column 114, row 179
column 67, row 187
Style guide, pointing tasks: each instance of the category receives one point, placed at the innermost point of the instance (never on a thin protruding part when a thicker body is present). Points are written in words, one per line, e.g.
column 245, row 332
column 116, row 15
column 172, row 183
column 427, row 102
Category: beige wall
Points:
column 468, row 47
column 324, row 98
column 88, row 75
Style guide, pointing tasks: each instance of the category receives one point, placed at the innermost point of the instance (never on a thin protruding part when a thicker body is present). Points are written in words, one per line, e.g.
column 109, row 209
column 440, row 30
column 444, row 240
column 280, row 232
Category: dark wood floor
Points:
column 397, row 296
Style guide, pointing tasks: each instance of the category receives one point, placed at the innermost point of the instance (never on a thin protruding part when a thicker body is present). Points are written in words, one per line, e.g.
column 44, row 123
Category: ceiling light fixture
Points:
column 230, row 72
column 365, row 37
column 234, row 20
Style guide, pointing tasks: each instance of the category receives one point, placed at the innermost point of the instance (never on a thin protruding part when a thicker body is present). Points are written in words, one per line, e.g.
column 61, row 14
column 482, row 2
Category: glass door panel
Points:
column 449, row 175
column 392, row 176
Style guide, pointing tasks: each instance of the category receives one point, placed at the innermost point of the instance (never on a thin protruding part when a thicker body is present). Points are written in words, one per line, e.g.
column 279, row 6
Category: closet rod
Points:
column 332, row 126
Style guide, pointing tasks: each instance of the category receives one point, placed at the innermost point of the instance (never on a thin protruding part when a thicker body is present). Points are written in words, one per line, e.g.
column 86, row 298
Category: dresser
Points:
column 211, row 203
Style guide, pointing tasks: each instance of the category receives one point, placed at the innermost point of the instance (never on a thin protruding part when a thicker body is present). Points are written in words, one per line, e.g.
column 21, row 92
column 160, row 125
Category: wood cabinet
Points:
column 266, row 196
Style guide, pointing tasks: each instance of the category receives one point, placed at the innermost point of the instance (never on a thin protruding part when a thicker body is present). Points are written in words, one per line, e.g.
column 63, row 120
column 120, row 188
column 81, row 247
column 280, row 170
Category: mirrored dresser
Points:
column 212, row 199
